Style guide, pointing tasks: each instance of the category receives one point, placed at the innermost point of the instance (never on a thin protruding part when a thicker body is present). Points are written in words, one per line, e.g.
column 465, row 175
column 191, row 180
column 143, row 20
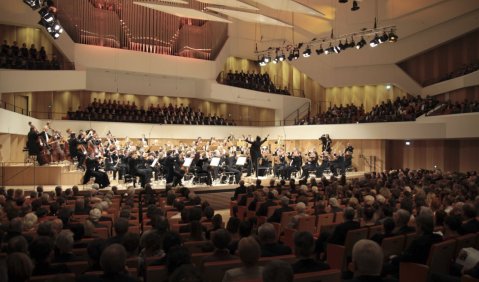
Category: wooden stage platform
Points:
column 30, row 175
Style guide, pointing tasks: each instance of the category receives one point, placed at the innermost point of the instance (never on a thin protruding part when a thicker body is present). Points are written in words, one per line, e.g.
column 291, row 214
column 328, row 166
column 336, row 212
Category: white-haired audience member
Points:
column 367, row 262
column 249, row 253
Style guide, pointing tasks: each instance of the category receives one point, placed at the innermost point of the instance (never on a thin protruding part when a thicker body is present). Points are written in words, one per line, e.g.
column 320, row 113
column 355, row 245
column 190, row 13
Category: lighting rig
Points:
column 47, row 17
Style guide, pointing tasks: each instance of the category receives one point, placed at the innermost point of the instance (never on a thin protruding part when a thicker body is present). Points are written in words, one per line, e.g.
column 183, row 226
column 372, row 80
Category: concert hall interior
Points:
column 343, row 128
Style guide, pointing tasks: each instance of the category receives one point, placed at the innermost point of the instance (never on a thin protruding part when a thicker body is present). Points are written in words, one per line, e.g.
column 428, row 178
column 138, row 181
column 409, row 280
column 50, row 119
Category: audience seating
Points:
column 156, row 274
column 64, row 277
column 393, row 246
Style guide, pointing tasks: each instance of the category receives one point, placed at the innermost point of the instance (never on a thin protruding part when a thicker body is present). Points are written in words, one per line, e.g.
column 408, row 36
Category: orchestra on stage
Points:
column 201, row 162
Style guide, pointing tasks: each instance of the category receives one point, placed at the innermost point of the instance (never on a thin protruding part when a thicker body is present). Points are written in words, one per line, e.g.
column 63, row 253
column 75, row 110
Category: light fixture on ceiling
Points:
column 307, row 52
column 34, row 4
column 51, row 24
column 320, row 50
column 393, row 36
column 383, row 38
column 282, row 57
column 361, row 43
column 388, row 86
column 336, row 49
column 355, row 6
column 267, row 59
column 374, row 42
column 295, row 54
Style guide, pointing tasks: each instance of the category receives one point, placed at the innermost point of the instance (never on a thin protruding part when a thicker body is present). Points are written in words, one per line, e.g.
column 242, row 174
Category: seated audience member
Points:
column 196, row 231
column 19, row 267
column 276, row 217
column 17, row 244
column 95, row 215
column 278, row 271
column 113, row 263
column 241, row 189
column 186, row 272
column 401, row 220
column 367, row 262
column 452, row 226
column 471, row 224
column 41, row 251
column 339, row 235
column 244, row 230
column 94, row 250
column 131, row 242
column 221, row 240
column 269, row 244
column 263, row 208
column 388, row 225
column 418, row 251
column 121, row 228
column 64, row 246
column 301, row 212
column 177, row 256
column 304, row 251
column 249, row 252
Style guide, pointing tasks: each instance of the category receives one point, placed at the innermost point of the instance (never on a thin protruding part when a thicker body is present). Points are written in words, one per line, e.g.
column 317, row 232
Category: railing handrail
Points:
column 297, row 112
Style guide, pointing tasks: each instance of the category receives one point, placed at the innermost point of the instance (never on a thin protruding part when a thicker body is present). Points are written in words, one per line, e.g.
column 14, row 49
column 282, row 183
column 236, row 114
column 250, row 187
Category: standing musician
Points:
column 32, row 141
column 77, row 147
column 93, row 170
column 326, row 143
column 255, row 150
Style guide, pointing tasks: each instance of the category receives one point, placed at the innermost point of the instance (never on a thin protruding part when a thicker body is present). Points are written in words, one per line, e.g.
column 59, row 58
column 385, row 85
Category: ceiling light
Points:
column 267, row 59
column 361, row 43
column 383, row 38
column 320, row 50
column 355, row 6
column 352, row 44
column 307, row 52
column 290, row 57
column 295, row 54
column 388, row 86
column 34, row 4
column 336, row 49
column 393, row 36
column 275, row 60
column 374, row 42
column 281, row 57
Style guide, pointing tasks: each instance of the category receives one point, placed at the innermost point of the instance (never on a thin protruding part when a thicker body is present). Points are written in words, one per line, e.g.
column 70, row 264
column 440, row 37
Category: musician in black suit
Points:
column 137, row 167
column 255, row 151
column 311, row 164
column 230, row 165
column 326, row 142
column 294, row 164
column 73, row 144
column 32, row 138
column 111, row 161
column 348, row 155
column 173, row 169
column 199, row 166
column 279, row 167
column 93, row 170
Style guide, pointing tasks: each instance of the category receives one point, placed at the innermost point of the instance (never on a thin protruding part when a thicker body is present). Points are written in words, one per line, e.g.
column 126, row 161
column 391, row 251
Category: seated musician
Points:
column 93, row 170
column 348, row 155
column 230, row 165
column 264, row 163
column 311, row 164
column 324, row 164
column 111, row 160
column 199, row 167
column 280, row 163
column 337, row 164
column 294, row 164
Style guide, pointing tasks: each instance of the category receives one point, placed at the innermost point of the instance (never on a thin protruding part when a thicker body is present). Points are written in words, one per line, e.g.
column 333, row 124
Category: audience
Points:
column 117, row 111
column 367, row 262
column 13, row 57
column 278, row 271
column 249, row 252
column 254, row 81
column 304, row 251
column 269, row 242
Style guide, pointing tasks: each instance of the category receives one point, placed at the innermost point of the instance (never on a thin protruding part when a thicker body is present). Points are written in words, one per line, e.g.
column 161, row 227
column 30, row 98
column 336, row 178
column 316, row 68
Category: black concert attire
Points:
column 264, row 166
column 230, row 163
column 32, row 145
column 279, row 168
column 294, row 165
column 92, row 170
column 338, row 164
column 324, row 165
column 137, row 168
column 174, row 173
column 311, row 164
column 111, row 162
column 199, row 167
column 326, row 143
column 73, row 144
column 348, row 156
column 255, row 151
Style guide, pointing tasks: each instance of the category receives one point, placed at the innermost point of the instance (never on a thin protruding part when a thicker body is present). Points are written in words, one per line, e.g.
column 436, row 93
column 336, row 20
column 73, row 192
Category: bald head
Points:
column 367, row 258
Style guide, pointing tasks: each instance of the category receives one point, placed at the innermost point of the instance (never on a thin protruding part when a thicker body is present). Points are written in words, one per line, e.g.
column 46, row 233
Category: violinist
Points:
column 137, row 167
column 311, row 164
column 93, row 170
column 264, row 163
column 111, row 160
column 199, row 167
column 77, row 148
column 348, row 155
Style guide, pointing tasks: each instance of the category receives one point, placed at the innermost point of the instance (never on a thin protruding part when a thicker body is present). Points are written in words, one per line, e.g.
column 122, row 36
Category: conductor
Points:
column 255, row 151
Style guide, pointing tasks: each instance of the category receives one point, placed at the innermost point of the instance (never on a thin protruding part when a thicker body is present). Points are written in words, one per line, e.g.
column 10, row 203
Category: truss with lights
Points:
column 332, row 45
column 47, row 16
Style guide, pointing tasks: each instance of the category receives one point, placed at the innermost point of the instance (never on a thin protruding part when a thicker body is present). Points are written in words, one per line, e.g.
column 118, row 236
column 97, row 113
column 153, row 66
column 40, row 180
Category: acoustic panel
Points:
column 183, row 12
column 290, row 6
column 249, row 17
column 230, row 3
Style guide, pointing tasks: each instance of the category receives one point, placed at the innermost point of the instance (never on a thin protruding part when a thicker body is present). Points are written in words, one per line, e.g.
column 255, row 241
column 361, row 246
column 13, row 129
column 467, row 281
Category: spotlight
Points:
column 47, row 17
column 328, row 50
column 336, row 49
column 383, row 38
column 275, row 60
column 307, row 52
column 374, row 42
column 34, row 4
column 267, row 59
column 392, row 36
column 388, row 86
column 352, row 44
column 290, row 56
column 407, row 143
column 361, row 43
column 355, row 6
column 281, row 57
column 320, row 50
column 295, row 54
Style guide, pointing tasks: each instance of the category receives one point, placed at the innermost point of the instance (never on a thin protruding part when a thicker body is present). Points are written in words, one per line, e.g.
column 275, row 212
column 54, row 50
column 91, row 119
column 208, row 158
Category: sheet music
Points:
column 154, row 162
column 187, row 162
column 215, row 162
column 241, row 161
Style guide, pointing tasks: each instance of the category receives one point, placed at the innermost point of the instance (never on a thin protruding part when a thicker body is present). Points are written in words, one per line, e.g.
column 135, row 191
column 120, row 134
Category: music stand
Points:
column 241, row 161
column 187, row 162
column 215, row 162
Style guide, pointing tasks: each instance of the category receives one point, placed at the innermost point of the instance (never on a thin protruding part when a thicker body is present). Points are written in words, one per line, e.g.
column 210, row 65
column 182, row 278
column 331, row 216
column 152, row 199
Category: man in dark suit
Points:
column 401, row 220
column 220, row 239
column 276, row 217
column 263, row 208
column 471, row 225
column 418, row 251
column 304, row 249
column 340, row 232
column 269, row 245
column 121, row 228
column 241, row 189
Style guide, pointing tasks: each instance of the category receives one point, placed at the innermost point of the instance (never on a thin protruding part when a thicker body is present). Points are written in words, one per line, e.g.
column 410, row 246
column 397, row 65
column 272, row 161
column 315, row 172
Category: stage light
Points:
column 352, row 44
column 361, row 43
column 267, row 59
column 407, row 143
column 275, row 60
column 47, row 17
column 388, row 86
column 383, row 38
column 290, row 56
column 374, row 42
column 392, row 36
column 355, row 6
column 295, row 54
column 320, row 50
column 34, row 4
column 307, row 52
column 336, row 49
